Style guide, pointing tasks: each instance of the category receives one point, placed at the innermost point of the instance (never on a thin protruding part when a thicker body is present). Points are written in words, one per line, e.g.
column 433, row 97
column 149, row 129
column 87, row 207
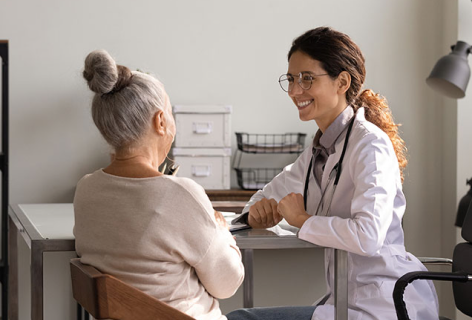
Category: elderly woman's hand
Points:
column 220, row 220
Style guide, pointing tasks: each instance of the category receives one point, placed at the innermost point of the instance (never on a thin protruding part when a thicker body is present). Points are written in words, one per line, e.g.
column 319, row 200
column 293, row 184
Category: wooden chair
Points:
column 106, row 297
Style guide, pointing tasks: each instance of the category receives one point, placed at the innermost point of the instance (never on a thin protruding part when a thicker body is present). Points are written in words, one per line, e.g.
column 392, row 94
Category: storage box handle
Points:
column 202, row 127
column 201, row 171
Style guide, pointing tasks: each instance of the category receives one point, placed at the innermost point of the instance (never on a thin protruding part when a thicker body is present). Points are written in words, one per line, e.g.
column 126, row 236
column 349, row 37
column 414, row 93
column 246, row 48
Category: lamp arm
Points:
column 468, row 51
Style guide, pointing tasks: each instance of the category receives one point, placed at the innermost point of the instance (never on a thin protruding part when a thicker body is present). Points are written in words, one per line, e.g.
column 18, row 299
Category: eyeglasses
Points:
column 305, row 80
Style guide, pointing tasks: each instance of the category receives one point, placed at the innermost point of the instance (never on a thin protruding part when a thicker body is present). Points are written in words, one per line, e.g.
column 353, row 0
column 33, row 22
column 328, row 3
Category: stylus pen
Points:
column 164, row 168
column 173, row 169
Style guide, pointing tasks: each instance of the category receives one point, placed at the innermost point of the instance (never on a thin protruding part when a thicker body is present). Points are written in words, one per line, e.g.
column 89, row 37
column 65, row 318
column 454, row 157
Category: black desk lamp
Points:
column 450, row 77
column 451, row 73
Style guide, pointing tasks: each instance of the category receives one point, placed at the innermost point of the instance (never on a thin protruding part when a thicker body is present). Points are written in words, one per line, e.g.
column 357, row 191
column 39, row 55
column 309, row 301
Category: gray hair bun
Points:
column 101, row 72
column 124, row 103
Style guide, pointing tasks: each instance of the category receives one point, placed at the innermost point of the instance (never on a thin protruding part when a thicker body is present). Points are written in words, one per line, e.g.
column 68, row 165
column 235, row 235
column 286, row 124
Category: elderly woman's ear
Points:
column 160, row 123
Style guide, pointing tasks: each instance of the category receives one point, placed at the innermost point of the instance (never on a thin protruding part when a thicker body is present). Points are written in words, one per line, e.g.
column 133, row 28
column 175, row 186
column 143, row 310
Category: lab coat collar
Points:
column 326, row 141
column 340, row 129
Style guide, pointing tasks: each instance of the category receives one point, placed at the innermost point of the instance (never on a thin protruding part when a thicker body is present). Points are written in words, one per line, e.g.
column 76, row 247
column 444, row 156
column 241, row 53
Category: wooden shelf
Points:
column 230, row 195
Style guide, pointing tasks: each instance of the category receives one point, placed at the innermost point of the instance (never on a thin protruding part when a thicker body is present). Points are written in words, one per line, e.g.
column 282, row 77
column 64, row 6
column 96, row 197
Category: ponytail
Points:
column 378, row 112
column 337, row 53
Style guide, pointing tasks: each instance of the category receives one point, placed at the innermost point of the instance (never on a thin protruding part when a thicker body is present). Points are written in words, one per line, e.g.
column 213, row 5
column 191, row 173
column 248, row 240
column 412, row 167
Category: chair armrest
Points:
column 435, row 261
column 321, row 301
column 403, row 282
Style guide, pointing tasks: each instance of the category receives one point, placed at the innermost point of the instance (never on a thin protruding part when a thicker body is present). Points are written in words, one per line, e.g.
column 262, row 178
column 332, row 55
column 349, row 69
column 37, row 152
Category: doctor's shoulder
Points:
column 367, row 135
column 305, row 155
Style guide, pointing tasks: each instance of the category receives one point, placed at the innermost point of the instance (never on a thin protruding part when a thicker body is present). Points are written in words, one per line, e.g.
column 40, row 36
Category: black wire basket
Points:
column 256, row 178
column 271, row 143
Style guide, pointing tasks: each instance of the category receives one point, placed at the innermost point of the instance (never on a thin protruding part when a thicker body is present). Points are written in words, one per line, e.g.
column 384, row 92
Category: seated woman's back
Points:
column 158, row 233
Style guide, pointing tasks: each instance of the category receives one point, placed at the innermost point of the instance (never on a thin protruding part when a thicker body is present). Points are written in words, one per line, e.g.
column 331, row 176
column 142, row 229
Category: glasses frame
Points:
column 300, row 74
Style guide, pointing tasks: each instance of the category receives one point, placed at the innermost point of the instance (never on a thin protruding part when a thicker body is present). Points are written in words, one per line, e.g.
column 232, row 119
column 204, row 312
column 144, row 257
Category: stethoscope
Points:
column 335, row 173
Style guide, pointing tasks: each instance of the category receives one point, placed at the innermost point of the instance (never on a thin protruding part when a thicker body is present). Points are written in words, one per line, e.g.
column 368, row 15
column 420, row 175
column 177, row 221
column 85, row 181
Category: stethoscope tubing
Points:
column 337, row 167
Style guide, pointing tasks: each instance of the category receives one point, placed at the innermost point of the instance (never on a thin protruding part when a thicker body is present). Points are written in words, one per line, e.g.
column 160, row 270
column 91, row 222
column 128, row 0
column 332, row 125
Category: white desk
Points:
column 48, row 227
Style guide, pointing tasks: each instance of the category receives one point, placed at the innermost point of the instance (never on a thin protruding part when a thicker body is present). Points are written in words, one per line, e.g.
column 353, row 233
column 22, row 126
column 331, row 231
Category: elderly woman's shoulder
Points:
column 88, row 177
column 186, row 184
column 187, row 191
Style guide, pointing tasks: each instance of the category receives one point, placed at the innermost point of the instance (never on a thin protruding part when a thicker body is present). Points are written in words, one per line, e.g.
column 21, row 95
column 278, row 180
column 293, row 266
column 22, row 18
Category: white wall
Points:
column 464, row 116
column 221, row 51
column 448, row 131
column 464, row 110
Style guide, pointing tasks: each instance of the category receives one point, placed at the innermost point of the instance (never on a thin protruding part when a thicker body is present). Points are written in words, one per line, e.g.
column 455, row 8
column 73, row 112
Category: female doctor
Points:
column 345, row 192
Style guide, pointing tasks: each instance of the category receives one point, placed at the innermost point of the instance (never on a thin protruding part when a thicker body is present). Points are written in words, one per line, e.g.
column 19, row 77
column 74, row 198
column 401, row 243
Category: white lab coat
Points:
column 365, row 220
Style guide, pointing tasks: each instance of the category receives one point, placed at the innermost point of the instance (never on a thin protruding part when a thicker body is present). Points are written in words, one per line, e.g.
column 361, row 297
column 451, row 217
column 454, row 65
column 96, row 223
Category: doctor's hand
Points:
column 292, row 208
column 263, row 214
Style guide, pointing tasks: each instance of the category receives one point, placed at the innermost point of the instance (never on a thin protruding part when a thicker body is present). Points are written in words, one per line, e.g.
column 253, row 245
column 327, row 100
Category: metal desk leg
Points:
column 79, row 312
column 13, row 269
column 340, row 284
column 80, row 309
column 248, row 284
column 36, row 281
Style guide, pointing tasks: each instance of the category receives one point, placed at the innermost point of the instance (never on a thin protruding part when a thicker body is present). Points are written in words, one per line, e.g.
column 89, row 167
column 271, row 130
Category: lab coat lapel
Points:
column 333, row 160
column 314, row 191
column 330, row 163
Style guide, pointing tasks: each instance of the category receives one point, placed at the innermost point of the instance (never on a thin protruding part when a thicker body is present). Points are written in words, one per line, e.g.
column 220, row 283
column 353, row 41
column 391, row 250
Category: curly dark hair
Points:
column 337, row 52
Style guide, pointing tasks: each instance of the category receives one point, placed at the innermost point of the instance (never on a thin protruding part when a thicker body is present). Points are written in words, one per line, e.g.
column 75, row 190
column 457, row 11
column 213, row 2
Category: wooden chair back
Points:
column 106, row 297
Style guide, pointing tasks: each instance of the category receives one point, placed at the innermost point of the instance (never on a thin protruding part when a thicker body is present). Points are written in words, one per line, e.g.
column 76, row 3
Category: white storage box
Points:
column 206, row 126
column 208, row 167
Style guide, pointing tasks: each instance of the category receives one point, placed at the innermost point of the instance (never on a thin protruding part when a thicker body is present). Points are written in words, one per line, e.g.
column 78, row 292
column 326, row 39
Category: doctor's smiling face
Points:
column 325, row 99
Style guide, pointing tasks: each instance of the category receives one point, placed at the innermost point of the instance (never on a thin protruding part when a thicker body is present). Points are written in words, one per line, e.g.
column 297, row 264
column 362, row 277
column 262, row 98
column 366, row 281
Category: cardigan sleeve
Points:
column 209, row 248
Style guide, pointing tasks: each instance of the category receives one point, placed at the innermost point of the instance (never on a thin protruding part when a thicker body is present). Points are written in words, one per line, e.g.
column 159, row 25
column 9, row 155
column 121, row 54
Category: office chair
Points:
column 461, row 275
column 106, row 297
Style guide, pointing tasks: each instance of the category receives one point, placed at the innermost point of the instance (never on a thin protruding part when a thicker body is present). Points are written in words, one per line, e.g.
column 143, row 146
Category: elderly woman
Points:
column 156, row 232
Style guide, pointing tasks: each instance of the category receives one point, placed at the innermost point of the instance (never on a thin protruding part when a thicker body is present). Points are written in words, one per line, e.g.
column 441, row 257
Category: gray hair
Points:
column 124, row 101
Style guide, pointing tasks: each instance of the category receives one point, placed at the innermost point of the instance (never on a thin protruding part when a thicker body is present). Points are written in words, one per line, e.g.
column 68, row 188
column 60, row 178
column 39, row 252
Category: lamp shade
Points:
column 451, row 73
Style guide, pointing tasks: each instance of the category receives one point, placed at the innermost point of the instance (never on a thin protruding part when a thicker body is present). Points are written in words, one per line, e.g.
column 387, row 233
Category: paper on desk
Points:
column 284, row 229
column 229, row 216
